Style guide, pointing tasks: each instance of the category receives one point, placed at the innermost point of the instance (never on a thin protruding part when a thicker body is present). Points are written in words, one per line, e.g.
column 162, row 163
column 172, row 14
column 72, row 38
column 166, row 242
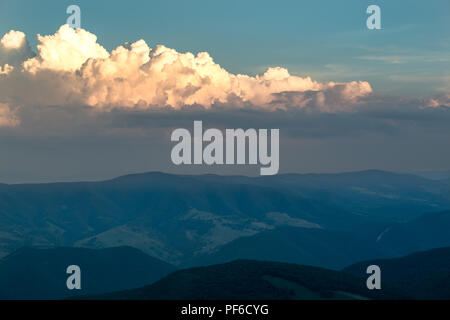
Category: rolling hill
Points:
column 335, row 249
column 428, row 231
column 330, row 249
column 422, row 275
column 32, row 273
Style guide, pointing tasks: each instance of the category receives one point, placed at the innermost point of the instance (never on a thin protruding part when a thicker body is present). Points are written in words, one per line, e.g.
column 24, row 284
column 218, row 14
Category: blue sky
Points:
column 326, row 40
column 102, row 119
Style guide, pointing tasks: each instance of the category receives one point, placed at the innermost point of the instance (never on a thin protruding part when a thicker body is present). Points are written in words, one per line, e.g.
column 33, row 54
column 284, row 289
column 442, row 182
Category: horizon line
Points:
column 414, row 173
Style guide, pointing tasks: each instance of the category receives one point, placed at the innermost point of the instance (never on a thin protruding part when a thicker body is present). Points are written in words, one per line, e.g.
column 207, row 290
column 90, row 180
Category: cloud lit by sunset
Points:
column 70, row 67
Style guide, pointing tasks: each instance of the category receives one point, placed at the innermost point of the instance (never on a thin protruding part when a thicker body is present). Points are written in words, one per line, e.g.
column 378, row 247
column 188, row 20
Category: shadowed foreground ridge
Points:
column 31, row 273
column 424, row 275
column 248, row 279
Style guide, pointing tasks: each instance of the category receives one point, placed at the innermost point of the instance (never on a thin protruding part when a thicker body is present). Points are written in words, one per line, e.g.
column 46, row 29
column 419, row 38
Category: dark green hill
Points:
column 246, row 279
column 31, row 273
column 422, row 275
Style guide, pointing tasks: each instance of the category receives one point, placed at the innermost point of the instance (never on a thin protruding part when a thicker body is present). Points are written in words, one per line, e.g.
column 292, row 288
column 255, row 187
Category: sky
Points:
column 324, row 39
column 101, row 101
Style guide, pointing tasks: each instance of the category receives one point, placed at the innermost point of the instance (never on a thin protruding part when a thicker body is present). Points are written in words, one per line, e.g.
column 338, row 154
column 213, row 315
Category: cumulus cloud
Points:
column 14, row 49
column 13, row 40
column 70, row 68
column 66, row 50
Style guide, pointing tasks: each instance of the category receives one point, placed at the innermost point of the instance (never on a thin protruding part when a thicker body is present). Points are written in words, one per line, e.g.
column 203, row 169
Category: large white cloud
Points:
column 70, row 68
column 14, row 49
column 66, row 50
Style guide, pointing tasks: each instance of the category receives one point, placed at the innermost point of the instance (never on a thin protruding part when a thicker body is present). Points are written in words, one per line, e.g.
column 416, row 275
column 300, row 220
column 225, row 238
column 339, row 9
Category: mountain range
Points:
column 197, row 220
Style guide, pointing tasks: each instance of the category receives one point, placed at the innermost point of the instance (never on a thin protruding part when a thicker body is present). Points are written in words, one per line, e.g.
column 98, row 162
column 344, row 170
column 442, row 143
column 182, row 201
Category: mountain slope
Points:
column 429, row 231
column 308, row 246
column 31, row 273
column 245, row 279
column 423, row 275
column 336, row 249
column 176, row 217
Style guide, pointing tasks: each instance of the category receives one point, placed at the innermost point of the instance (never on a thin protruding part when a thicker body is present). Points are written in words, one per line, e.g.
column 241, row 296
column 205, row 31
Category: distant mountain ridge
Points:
column 179, row 218
column 435, row 175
